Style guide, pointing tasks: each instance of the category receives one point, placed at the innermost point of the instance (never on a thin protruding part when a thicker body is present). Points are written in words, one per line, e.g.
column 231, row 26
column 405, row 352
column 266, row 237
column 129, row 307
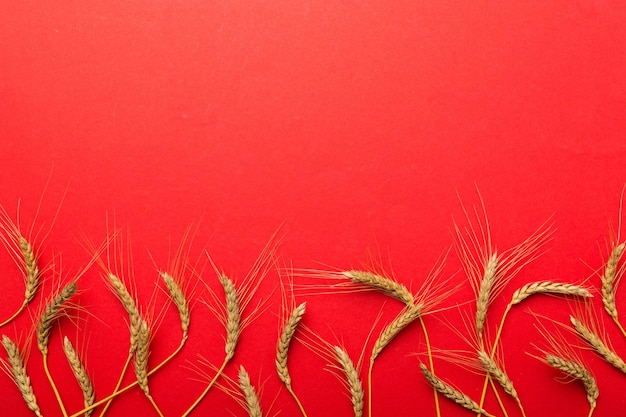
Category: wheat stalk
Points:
column 130, row 306
column 609, row 280
column 598, row 344
column 178, row 296
column 491, row 367
column 233, row 316
column 81, row 375
column 352, row 377
column 249, row 393
column 548, row 287
column 50, row 313
column 386, row 285
column 20, row 377
column 577, row 371
column 396, row 326
column 32, row 270
column 282, row 349
column 452, row 393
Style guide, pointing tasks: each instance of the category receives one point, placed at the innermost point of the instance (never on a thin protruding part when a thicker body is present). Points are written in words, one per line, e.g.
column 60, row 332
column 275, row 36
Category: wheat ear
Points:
column 233, row 316
column 282, row 349
column 386, row 285
column 609, row 279
column 598, row 344
column 249, row 393
column 130, row 306
column 50, row 313
column 452, row 393
column 178, row 296
column 141, row 357
column 81, row 375
column 405, row 318
column 491, row 367
column 549, row 287
column 352, row 377
column 20, row 377
column 577, row 371
column 32, row 269
column 484, row 293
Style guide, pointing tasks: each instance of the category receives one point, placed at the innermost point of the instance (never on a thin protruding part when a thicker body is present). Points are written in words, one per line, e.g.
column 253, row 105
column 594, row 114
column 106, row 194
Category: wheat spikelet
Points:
column 490, row 366
column 396, row 326
column 20, row 377
column 249, row 393
column 50, row 313
column 609, row 279
column 233, row 316
column 598, row 344
column 548, row 287
column 81, row 374
column 178, row 296
column 130, row 306
column 484, row 293
column 282, row 349
column 32, row 270
column 452, row 393
column 141, row 357
column 387, row 285
column 352, row 377
column 577, row 371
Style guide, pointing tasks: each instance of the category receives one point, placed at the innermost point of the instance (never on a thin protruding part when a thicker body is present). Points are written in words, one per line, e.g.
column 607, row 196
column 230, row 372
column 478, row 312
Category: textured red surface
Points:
column 353, row 125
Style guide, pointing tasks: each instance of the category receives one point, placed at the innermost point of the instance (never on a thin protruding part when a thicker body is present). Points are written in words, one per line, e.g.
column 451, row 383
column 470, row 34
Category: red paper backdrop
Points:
column 351, row 126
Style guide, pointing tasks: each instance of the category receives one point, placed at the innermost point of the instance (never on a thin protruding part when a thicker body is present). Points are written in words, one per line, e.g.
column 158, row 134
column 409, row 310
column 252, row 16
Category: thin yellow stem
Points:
column 155, row 406
column 53, row 385
column 206, row 390
column 495, row 391
column 431, row 364
column 619, row 325
column 295, row 397
column 119, row 382
column 132, row 384
column 519, row 403
column 22, row 307
column 493, row 353
column 591, row 411
column 369, row 388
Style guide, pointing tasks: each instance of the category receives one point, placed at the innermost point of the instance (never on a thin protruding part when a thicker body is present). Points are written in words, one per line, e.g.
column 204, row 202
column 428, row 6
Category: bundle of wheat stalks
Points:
column 487, row 270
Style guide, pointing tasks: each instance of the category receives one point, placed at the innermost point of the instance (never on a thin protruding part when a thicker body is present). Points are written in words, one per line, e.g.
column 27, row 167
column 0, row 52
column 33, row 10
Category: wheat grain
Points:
column 249, row 393
column 233, row 316
column 452, row 393
column 20, row 377
column 548, row 287
column 396, row 326
column 598, row 344
column 178, row 296
column 130, row 306
column 352, row 377
column 609, row 280
column 141, row 357
column 491, row 367
column 577, row 371
column 50, row 313
column 81, row 375
column 282, row 349
column 387, row 285
column 32, row 269
column 484, row 293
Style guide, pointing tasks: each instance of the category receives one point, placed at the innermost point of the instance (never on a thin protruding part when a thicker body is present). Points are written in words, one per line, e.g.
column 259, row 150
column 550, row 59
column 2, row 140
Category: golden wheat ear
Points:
column 82, row 377
column 452, row 393
column 17, row 369
column 253, row 405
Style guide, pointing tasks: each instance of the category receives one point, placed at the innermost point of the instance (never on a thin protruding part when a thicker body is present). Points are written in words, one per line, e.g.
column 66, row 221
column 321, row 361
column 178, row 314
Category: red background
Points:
column 351, row 124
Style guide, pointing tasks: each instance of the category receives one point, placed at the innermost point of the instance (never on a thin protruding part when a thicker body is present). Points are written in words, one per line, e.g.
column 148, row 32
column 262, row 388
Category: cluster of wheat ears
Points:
column 487, row 270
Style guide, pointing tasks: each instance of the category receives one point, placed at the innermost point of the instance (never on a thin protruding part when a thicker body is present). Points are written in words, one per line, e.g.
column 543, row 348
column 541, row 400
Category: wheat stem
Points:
column 430, row 364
